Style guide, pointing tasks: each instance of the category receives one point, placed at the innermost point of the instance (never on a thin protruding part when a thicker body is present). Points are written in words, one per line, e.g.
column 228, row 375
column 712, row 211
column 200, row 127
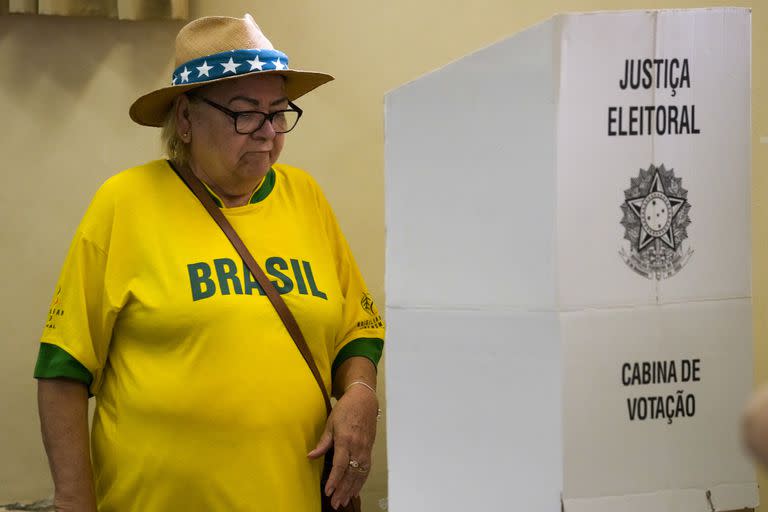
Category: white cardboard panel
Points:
column 715, row 164
column 465, row 431
column 470, row 180
column 697, row 452
column 729, row 497
column 504, row 259
column 662, row 501
column 593, row 168
column 722, row 498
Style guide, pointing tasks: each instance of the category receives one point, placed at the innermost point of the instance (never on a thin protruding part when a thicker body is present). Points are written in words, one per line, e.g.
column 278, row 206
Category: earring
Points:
column 185, row 136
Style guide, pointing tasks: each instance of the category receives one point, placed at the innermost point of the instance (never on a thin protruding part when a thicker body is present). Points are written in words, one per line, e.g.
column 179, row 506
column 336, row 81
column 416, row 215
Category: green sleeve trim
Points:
column 54, row 362
column 363, row 347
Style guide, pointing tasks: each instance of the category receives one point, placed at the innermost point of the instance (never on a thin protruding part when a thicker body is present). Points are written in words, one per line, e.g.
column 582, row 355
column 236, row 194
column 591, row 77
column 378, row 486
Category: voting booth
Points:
column 568, row 270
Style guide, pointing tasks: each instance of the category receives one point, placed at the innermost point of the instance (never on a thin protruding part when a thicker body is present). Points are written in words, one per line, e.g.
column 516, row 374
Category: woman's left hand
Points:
column 351, row 430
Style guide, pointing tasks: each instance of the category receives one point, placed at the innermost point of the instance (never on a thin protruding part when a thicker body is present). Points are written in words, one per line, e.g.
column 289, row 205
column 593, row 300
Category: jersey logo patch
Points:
column 369, row 307
column 56, row 310
column 367, row 304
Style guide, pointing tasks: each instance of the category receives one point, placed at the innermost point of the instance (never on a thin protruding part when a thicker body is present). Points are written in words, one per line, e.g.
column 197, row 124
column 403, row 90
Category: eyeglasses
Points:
column 249, row 121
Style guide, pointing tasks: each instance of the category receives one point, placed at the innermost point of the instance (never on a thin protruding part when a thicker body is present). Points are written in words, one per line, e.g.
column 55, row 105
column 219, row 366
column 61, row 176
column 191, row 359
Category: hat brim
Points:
column 152, row 108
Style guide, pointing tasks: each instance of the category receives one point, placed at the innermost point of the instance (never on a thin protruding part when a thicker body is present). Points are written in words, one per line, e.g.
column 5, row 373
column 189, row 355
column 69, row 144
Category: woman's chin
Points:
column 256, row 164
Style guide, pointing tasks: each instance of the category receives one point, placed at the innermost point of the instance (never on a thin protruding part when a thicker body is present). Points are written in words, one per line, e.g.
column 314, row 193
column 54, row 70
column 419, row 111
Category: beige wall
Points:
column 65, row 87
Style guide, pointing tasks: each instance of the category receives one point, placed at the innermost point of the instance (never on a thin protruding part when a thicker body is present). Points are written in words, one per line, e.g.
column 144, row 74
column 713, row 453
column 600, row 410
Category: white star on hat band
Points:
column 227, row 64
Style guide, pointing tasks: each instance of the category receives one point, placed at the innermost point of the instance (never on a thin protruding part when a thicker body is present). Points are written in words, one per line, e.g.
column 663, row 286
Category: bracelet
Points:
column 362, row 383
column 378, row 411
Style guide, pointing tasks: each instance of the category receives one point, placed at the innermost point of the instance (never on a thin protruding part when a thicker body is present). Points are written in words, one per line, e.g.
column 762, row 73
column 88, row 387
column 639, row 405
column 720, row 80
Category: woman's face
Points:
column 233, row 162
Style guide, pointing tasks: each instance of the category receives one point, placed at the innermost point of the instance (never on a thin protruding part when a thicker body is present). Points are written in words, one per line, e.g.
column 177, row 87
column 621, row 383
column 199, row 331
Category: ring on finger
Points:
column 354, row 464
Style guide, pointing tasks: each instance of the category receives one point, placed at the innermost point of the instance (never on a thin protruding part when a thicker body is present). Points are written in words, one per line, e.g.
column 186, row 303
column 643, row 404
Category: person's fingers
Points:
column 325, row 443
column 339, row 468
column 343, row 489
column 352, row 482
column 361, row 476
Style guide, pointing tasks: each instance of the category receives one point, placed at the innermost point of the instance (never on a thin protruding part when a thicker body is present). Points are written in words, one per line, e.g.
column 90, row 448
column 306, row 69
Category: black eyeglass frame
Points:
column 266, row 116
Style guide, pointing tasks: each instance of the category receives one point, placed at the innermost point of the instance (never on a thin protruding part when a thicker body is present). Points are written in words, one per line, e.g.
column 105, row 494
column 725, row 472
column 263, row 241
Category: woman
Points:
column 203, row 401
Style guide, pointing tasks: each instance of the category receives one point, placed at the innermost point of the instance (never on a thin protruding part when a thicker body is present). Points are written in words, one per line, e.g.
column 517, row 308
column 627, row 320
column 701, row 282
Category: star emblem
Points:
column 279, row 65
column 256, row 64
column 173, row 82
column 656, row 211
column 204, row 69
column 231, row 66
column 185, row 75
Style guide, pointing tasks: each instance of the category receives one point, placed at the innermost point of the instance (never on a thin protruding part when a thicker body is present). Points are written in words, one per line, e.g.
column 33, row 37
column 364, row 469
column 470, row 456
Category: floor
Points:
column 38, row 506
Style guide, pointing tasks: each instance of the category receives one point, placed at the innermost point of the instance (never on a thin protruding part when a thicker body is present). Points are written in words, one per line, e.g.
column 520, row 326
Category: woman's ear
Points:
column 183, row 122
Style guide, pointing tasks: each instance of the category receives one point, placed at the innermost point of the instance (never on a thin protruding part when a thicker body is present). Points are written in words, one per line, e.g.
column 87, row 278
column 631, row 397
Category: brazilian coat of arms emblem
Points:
column 655, row 219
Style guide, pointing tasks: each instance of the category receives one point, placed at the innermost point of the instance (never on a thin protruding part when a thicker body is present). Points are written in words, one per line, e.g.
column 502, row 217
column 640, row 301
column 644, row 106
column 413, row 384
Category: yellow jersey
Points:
column 203, row 402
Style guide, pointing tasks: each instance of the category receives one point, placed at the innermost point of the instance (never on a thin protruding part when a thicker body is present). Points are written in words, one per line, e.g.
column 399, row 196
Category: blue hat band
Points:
column 226, row 64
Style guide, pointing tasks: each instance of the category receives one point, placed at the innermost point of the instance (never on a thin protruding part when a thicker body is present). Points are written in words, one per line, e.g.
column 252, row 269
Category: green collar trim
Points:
column 265, row 188
column 260, row 194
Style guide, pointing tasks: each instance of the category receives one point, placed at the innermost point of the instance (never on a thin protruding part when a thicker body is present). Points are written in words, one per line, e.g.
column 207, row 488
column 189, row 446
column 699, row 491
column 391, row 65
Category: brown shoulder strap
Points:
column 274, row 297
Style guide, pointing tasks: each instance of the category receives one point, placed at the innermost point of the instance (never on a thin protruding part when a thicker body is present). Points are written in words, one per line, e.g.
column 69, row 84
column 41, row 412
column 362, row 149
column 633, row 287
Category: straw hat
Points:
column 218, row 48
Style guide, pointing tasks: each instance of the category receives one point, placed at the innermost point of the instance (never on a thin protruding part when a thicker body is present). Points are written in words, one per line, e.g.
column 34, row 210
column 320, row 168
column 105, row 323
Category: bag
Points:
column 283, row 312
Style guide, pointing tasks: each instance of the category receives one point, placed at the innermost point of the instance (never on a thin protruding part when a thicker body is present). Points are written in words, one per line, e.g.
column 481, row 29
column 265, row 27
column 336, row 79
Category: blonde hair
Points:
column 175, row 149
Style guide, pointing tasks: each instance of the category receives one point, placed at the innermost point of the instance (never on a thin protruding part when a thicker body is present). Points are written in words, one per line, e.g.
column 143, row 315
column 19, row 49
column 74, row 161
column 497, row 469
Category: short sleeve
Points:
column 362, row 329
column 78, row 328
